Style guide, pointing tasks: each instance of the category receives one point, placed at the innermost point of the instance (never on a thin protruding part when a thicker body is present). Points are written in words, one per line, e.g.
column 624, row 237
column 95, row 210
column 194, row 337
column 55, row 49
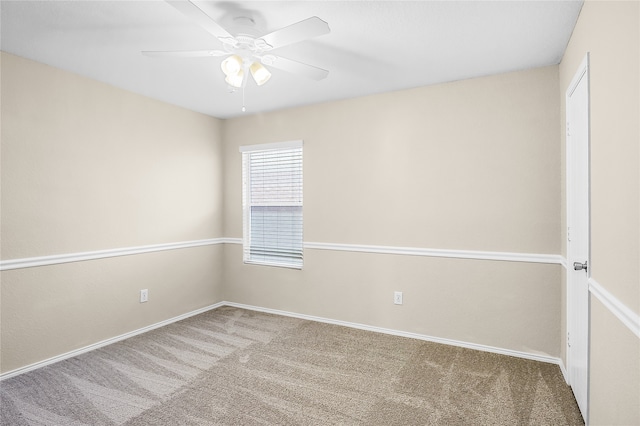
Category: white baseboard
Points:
column 484, row 348
column 106, row 342
column 475, row 346
column 563, row 369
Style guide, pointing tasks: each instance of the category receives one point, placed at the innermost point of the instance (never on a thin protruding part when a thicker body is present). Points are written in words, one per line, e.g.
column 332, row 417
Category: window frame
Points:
column 246, row 151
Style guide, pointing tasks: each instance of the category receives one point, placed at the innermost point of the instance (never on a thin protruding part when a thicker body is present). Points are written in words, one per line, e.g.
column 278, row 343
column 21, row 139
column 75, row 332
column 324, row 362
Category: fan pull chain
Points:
column 243, row 107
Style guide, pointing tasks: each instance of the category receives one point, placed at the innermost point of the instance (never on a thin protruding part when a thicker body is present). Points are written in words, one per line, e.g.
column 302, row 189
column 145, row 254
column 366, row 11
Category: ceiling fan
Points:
column 247, row 53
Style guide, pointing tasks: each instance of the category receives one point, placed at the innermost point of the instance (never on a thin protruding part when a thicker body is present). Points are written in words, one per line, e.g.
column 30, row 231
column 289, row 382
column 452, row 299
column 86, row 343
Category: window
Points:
column 272, row 204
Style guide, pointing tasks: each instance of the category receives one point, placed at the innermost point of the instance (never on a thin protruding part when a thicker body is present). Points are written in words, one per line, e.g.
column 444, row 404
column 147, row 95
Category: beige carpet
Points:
column 236, row 367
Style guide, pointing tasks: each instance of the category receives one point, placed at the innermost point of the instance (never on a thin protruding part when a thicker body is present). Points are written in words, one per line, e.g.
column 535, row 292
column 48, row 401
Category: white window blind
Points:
column 272, row 204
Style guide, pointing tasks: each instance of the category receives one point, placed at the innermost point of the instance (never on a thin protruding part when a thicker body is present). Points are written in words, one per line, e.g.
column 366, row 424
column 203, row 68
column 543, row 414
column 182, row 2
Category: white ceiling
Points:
column 373, row 46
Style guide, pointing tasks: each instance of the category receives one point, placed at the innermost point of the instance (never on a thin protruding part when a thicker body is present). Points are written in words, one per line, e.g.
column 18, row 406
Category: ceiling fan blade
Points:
column 309, row 28
column 192, row 11
column 295, row 67
column 185, row 53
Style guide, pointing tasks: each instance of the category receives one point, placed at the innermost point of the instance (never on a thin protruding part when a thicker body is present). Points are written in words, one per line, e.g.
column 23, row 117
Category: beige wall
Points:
column 407, row 168
column 470, row 165
column 51, row 310
column 110, row 169
column 609, row 31
column 86, row 167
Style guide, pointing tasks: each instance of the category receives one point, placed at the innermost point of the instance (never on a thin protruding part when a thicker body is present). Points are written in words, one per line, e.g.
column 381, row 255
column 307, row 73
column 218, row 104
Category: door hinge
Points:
column 569, row 339
column 568, row 233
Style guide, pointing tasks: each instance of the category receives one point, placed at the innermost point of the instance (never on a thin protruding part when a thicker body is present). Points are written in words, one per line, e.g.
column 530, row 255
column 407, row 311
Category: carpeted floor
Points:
column 237, row 367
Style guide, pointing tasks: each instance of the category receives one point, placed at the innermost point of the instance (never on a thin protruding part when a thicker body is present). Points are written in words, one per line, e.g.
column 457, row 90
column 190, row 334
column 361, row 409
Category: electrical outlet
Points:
column 144, row 295
column 397, row 297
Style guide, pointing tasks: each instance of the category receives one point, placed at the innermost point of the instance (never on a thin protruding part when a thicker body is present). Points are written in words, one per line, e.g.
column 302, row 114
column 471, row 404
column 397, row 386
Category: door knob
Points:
column 580, row 266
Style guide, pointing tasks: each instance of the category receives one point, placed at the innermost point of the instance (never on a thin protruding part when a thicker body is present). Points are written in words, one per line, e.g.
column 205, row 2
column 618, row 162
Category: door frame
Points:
column 581, row 73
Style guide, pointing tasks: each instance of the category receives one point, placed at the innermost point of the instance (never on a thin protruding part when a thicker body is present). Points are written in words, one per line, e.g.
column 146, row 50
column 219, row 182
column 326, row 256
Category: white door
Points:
column 578, row 268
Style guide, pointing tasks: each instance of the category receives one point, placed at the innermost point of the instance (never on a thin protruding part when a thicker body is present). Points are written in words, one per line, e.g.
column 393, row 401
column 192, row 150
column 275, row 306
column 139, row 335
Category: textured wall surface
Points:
column 610, row 33
column 470, row 165
column 88, row 167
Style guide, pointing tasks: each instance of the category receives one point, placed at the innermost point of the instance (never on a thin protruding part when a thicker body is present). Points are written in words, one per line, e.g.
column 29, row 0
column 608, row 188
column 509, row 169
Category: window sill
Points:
column 273, row 264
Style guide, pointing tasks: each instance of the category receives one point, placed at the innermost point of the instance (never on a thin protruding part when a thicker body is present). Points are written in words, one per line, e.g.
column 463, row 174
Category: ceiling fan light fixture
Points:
column 260, row 74
column 235, row 80
column 232, row 65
